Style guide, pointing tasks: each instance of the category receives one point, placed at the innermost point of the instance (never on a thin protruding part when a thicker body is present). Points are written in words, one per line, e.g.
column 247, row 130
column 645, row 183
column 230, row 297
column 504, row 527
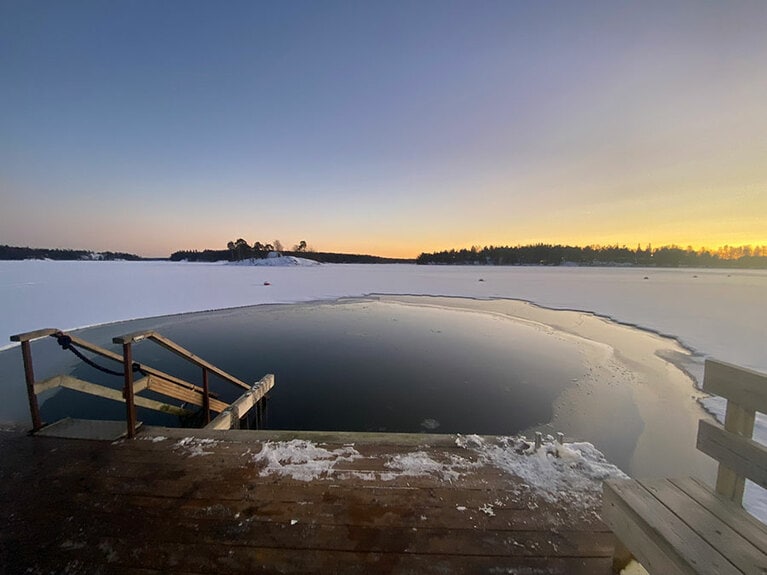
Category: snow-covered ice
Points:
column 715, row 313
column 275, row 259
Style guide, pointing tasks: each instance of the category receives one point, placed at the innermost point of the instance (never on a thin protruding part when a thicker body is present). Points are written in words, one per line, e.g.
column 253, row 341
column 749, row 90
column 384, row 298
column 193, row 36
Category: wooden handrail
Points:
column 230, row 417
column 743, row 386
column 746, row 393
column 180, row 351
column 153, row 379
column 74, row 383
column 30, row 335
column 132, row 337
column 189, row 356
column 149, row 370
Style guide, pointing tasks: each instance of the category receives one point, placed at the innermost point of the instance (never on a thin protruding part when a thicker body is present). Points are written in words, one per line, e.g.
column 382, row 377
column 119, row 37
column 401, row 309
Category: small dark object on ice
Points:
column 267, row 284
column 481, row 279
column 646, row 278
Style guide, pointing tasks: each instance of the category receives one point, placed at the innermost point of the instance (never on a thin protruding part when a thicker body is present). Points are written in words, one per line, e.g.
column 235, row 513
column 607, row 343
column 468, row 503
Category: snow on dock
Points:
column 203, row 501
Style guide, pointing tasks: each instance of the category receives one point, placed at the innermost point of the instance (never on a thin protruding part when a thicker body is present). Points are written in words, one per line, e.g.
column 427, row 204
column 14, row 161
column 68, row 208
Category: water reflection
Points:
column 355, row 365
column 412, row 364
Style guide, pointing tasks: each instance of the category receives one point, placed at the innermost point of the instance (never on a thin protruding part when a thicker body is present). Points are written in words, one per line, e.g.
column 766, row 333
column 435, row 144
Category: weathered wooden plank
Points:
column 189, row 395
column 69, row 382
column 462, row 538
column 132, row 337
column 141, row 384
column 145, row 368
column 101, row 507
column 745, row 457
column 117, row 553
column 46, row 384
column 36, row 334
column 744, row 524
column 354, row 438
column 661, row 541
column 230, row 417
column 95, row 348
column 320, row 505
column 738, row 550
column 746, row 387
column 206, row 487
column 740, row 421
column 188, row 355
column 84, row 429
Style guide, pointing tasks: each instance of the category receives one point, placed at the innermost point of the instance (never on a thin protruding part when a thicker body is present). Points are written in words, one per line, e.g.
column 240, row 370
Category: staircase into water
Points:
column 177, row 396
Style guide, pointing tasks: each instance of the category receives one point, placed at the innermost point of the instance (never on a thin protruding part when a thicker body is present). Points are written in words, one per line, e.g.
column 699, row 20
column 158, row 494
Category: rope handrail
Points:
column 66, row 343
column 153, row 379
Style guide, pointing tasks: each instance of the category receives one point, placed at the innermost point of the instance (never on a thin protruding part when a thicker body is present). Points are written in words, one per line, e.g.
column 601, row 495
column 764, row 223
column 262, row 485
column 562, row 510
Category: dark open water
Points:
column 358, row 365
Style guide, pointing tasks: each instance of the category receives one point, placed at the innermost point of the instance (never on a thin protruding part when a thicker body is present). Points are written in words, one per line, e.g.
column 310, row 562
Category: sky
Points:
column 390, row 128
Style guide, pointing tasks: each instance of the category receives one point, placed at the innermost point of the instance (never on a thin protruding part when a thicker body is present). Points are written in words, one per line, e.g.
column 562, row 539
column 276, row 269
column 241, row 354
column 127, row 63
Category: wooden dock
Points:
column 204, row 501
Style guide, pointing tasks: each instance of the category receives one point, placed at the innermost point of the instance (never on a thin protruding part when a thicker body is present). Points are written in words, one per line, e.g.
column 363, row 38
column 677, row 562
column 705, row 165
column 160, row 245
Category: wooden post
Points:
column 128, row 390
column 737, row 420
column 205, row 397
column 29, row 376
column 235, row 416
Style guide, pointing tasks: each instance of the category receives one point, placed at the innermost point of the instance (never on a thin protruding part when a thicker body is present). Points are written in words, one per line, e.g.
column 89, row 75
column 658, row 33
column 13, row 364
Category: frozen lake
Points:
column 717, row 313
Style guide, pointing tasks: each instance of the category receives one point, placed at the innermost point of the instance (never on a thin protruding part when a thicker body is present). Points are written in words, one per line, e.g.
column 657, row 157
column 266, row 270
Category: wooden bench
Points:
column 675, row 526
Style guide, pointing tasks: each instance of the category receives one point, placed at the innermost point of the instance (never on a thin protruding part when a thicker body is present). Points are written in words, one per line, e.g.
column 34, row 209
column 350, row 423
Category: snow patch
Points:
column 419, row 463
column 276, row 260
column 487, row 509
column 155, row 439
column 194, row 446
column 570, row 474
column 300, row 459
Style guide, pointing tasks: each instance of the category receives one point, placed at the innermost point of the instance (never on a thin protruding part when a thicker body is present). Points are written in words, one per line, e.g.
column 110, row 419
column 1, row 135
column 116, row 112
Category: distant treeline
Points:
column 240, row 249
column 553, row 255
column 24, row 253
column 322, row 257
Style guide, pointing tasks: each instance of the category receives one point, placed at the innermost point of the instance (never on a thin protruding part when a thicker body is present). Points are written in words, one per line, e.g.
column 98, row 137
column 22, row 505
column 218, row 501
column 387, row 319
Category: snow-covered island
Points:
column 275, row 259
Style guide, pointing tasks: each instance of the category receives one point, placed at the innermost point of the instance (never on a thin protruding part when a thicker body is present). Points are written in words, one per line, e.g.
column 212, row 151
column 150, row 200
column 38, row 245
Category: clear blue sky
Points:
column 381, row 127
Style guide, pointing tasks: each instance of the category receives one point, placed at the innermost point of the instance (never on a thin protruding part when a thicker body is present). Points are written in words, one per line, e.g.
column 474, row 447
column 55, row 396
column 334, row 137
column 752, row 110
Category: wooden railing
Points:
column 739, row 456
column 679, row 526
column 152, row 380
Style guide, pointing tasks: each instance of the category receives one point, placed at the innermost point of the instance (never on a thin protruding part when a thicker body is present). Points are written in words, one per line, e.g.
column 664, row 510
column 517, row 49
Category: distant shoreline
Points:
column 545, row 255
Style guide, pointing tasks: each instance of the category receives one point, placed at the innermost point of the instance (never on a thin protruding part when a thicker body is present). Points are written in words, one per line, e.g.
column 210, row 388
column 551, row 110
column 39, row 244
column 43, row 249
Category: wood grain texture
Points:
column 659, row 538
column 230, row 417
column 746, row 387
column 189, row 356
column 36, row 334
column 748, row 526
column 155, row 504
column 745, row 457
column 704, row 520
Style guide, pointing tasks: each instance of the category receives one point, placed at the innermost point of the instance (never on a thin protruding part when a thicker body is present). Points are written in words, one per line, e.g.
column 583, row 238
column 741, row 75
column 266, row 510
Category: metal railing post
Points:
column 128, row 389
column 29, row 376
